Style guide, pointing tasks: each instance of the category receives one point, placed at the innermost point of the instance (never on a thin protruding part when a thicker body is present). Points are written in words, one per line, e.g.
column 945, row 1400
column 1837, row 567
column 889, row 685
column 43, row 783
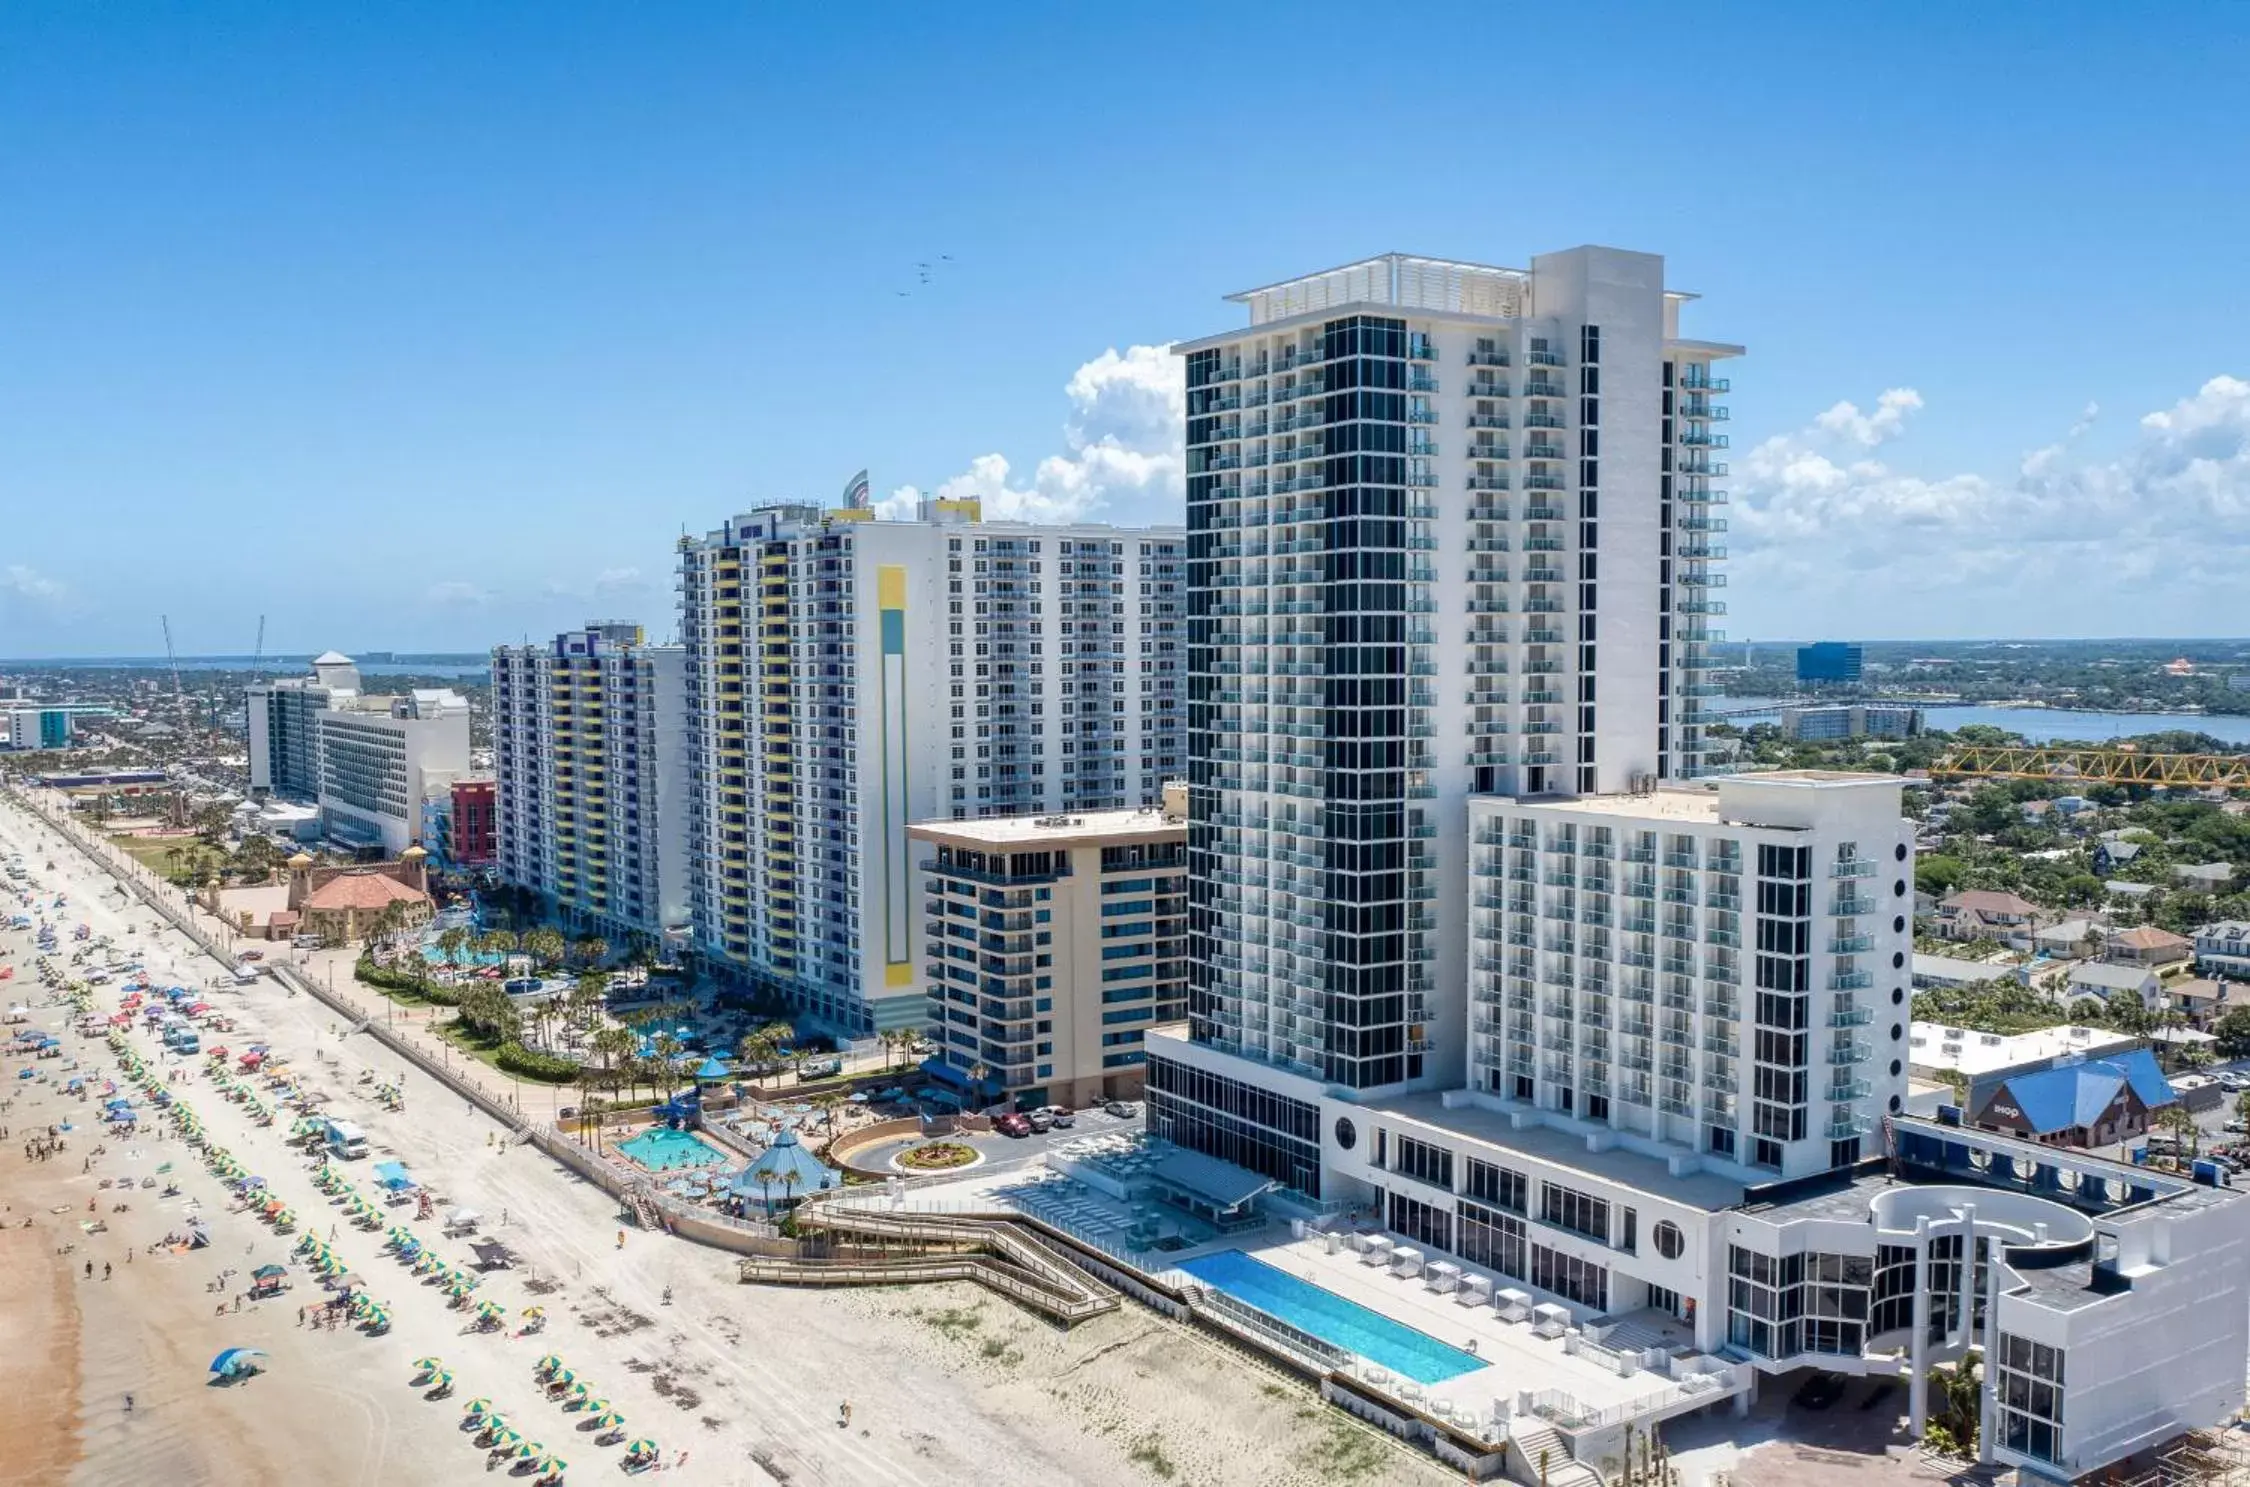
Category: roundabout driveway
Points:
column 993, row 1149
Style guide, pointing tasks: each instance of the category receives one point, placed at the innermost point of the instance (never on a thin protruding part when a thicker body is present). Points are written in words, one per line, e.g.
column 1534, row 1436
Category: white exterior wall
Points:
column 1559, row 1009
column 870, row 743
column 417, row 755
column 623, row 869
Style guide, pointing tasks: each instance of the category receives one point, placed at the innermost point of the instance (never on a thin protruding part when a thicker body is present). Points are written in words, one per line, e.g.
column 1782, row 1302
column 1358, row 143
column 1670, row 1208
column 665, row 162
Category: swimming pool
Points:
column 1329, row 1317
column 666, row 1150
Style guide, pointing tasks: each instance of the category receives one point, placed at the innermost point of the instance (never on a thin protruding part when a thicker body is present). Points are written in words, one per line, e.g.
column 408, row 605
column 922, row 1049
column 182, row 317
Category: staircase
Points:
column 643, row 1209
column 1528, row 1436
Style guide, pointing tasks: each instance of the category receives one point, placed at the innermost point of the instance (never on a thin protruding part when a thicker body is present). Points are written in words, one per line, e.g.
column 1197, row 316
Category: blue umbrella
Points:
column 234, row 1360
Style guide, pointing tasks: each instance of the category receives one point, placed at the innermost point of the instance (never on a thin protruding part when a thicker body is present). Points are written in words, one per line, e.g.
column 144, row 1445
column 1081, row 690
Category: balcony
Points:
column 1849, row 1052
column 1851, row 1017
column 1853, row 867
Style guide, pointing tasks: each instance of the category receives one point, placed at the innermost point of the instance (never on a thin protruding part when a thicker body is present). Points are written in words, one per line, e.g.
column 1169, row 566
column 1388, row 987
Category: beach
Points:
column 946, row 1383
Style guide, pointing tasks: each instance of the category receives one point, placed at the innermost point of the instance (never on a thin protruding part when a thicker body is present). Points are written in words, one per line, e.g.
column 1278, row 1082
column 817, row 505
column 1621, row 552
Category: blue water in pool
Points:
column 1329, row 1317
column 664, row 1150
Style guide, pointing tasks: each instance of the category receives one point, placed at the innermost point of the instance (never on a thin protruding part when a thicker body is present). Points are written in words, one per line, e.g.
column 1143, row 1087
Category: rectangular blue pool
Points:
column 1331, row 1318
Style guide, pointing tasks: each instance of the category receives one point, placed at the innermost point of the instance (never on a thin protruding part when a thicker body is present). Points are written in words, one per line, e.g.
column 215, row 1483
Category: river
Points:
column 2057, row 724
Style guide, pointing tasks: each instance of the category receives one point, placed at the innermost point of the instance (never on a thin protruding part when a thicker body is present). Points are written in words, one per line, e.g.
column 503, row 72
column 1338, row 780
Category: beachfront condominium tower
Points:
column 589, row 742
column 284, row 738
column 848, row 676
column 1450, row 531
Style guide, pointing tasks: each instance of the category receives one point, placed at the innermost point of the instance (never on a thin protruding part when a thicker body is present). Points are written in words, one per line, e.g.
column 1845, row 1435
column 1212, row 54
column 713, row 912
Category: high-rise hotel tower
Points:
column 848, row 676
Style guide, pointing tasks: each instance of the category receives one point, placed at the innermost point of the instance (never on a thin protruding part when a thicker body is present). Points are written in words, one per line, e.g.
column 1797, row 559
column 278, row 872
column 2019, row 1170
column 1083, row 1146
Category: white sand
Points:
column 947, row 1384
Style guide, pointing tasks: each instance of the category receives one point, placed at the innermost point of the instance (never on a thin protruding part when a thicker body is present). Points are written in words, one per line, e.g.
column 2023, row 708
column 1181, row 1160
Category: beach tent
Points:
column 237, row 1362
column 392, row 1176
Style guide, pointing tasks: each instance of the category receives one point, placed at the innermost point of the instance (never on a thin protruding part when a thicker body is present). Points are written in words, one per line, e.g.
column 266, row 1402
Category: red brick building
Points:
column 475, row 831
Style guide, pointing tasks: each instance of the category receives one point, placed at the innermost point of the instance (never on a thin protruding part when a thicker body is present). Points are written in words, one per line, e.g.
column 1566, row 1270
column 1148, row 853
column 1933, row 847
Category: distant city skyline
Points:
column 442, row 326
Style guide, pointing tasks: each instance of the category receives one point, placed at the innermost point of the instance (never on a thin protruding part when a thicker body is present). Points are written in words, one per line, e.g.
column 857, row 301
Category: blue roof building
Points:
column 2093, row 1102
column 765, row 1180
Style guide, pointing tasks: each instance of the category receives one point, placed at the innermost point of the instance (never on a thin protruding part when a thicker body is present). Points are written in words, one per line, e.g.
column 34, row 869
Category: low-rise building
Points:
column 2203, row 999
column 2210, row 877
column 2101, row 979
column 1937, row 1050
column 1988, row 914
column 2223, row 949
column 1849, row 720
column 2146, row 945
column 2077, row 1102
column 1050, row 946
column 2111, row 854
column 2071, row 939
column 1951, row 972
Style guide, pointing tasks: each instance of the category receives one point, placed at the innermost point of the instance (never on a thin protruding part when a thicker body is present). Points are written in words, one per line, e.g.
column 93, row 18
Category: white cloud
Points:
column 23, row 582
column 457, row 594
column 1121, row 459
column 1870, row 429
column 2150, row 541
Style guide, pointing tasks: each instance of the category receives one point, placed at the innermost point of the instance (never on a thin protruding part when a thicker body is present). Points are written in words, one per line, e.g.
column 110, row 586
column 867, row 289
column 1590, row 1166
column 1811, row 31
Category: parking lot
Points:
column 1000, row 1151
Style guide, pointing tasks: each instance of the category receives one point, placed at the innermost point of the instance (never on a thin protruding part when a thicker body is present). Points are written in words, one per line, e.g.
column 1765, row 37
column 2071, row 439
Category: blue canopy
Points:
column 393, row 1176
column 712, row 1069
column 235, row 1360
column 764, row 1178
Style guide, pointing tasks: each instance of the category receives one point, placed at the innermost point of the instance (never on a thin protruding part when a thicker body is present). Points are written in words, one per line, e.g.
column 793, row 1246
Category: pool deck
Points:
column 1514, row 1360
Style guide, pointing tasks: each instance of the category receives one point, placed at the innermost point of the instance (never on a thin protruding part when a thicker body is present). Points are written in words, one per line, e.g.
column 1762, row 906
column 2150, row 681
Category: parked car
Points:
column 1012, row 1124
column 251, row 955
column 1125, row 1109
column 1040, row 1121
column 1062, row 1117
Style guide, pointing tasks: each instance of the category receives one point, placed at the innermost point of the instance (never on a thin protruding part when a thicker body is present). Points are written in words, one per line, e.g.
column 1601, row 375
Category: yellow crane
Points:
column 2095, row 766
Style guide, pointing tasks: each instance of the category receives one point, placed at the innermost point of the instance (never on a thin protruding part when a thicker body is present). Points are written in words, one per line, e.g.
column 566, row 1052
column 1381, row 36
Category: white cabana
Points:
column 1474, row 1290
column 1512, row 1305
column 1442, row 1276
column 462, row 1220
column 1405, row 1260
column 1374, row 1249
column 1550, row 1320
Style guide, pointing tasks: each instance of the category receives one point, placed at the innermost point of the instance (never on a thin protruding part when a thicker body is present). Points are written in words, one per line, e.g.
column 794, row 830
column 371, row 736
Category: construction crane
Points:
column 259, row 653
column 170, row 659
column 2096, row 766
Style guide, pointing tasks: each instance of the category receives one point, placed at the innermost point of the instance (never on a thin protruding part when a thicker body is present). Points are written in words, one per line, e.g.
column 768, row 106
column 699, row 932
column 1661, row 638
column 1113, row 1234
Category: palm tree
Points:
column 668, row 1051
column 2176, row 1120
column 544, row 945
column 592, row 950
column 588, row 995
column 451, row 942
column 788, row 1177
column 831, row 1105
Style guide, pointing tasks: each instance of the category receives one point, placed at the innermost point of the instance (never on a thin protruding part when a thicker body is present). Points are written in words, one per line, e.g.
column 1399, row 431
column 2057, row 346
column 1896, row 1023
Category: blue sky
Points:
column 433, row 325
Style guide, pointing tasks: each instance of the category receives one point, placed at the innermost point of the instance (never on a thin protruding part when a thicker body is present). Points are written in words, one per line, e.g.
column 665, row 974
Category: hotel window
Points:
column 1494, row 1240
column 1419, row 1159
column 2029, row 1386
column 1567, row 1208
column 1571, row 1278
column 1499, row 1186
column 1420, row 1223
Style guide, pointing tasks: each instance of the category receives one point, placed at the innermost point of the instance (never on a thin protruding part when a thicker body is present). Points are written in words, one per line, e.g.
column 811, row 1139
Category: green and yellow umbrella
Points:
column 477, row 1407
column 428, row 1365
column 608, row 1420
column 547, row 1364
column 642, row 1447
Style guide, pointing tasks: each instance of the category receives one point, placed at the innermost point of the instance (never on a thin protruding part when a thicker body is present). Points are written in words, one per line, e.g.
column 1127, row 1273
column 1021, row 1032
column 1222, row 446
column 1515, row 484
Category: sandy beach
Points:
column 947, row 1384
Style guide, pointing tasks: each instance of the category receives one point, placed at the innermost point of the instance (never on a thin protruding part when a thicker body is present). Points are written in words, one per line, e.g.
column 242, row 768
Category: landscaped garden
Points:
column 936, row 1156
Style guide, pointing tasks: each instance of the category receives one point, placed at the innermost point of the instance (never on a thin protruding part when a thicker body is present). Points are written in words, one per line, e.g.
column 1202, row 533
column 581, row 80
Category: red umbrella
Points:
column 197, row 1009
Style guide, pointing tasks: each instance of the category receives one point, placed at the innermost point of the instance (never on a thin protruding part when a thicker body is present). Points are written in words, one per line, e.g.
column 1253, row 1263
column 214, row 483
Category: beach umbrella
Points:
column 547, row 1364
column 562, row 1376
column 443, row 1380
column 477, row 1407
column 535, row 1311
column 529, row 1449
column 235, row 1360
column 429, row 1365
column 642, row 1447
column 582, row 1390
column 268, row 1272
column 598, row 1407
column 608, row 1420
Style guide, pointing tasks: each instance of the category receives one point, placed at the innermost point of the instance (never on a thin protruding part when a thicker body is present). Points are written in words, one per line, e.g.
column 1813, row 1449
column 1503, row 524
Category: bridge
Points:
column 2097, row 766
